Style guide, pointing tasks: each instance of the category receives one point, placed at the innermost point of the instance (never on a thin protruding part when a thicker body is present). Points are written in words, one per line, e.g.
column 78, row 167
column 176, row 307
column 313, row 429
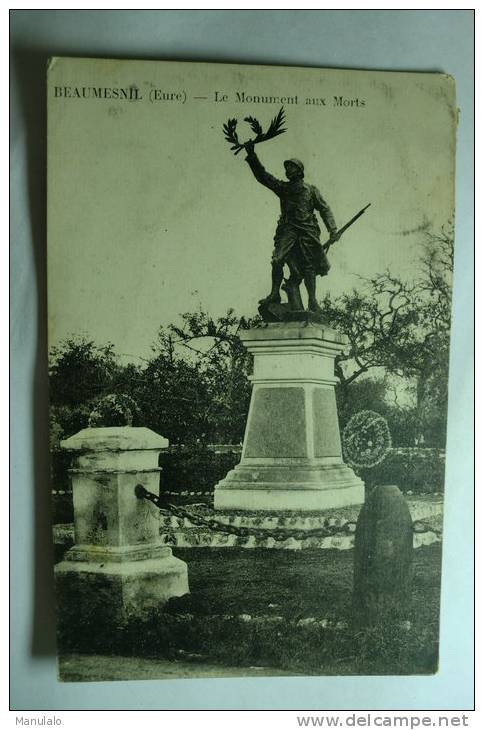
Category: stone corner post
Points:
column 117, row 568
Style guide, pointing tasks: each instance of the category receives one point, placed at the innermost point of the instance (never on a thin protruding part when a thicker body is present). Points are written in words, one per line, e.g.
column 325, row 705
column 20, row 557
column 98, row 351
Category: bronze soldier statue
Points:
column 296, row 241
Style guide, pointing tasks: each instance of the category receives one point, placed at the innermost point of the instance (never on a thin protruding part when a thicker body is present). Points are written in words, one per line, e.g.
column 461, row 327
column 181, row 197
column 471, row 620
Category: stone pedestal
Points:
column 117, row 567
column 291, row 458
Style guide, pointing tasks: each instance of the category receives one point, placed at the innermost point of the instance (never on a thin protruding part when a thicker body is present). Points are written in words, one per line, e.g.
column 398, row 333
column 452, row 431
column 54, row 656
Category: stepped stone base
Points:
column 119, row 589
column 305, row 488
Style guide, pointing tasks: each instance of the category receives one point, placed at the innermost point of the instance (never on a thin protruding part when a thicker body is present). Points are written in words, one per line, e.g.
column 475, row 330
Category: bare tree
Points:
column 401, row 326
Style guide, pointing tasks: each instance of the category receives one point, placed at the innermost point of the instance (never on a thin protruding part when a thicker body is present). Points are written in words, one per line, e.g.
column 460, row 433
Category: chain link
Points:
column 279, row 533
column 420, row 526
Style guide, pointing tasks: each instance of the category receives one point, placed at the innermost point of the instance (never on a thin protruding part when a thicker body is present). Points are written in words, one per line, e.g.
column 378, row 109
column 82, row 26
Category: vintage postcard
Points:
column 249, row 295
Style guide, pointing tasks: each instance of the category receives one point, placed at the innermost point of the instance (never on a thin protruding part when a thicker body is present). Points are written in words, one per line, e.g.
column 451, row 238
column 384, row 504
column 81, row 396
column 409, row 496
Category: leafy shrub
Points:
column 195, row 467
column 115, row 410
column 62, row 507
column 198, row 468
column 412, row 469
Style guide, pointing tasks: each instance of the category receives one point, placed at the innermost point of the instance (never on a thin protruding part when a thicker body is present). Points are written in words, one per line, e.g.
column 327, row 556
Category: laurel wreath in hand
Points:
column 276, row 127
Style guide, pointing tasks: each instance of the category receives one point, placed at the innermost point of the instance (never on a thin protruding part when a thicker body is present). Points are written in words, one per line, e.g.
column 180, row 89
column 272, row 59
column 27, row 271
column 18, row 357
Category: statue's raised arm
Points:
column 259, row 171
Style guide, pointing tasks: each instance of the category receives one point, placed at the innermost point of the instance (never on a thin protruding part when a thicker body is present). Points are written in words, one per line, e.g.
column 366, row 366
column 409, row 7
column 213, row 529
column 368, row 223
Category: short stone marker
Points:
column 117, row 567
column 383, row 558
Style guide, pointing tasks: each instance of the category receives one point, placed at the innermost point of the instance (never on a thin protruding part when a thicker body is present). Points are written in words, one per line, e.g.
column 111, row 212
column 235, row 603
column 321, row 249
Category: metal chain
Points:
column 420, row 526
column 278, row 533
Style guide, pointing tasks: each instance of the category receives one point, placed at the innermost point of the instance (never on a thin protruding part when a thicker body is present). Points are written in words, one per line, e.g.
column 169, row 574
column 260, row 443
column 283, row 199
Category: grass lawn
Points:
column 249, row 608
column 258, row 582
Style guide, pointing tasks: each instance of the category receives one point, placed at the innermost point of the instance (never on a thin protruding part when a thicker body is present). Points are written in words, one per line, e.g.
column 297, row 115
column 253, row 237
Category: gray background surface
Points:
column 413, row 40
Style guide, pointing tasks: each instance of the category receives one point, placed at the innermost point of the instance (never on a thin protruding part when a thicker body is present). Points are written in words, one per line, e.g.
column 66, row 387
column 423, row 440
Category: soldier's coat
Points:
column 297, row 234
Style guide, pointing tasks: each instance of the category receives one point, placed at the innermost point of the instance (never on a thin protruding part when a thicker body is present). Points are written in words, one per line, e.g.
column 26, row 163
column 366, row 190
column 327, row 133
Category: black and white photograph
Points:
column 249, row 313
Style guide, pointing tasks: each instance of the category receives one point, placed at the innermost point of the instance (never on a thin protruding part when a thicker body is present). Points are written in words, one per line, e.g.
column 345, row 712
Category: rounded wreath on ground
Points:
column 366, row 439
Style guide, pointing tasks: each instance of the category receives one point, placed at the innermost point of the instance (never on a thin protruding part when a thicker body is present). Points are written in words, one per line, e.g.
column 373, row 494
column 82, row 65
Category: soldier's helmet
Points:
column 297, row 163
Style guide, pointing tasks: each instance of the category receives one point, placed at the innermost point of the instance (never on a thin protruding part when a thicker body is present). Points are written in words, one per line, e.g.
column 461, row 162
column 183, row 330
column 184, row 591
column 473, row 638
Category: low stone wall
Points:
column 179, row 532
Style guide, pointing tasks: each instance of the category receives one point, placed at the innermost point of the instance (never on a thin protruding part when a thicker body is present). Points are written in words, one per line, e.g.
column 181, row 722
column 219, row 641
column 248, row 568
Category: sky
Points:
column 150, row 214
